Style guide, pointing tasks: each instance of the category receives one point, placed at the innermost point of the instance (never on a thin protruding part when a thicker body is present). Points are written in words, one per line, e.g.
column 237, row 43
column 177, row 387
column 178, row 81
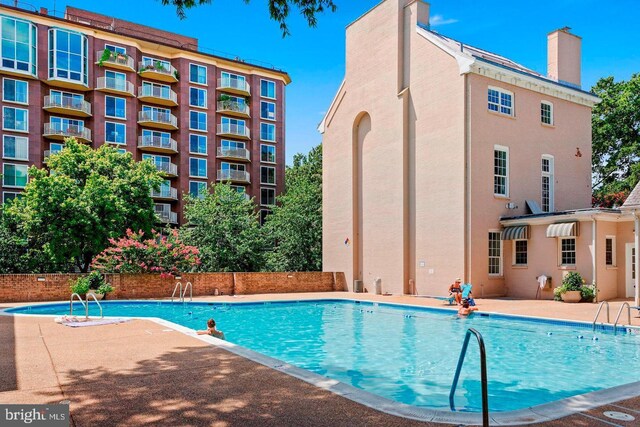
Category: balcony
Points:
column 233, row 131
column 165, row 193
column 233, row 176
column 157, row 144
column 238, row 87
column 67, row 84
column 233, row 108
column 158, row 95
column 157, row 120
column 115, row 60
column 167, row 216
column 67, row 106
column 115, row 86
column 169, row 169
column 234, row 154
column 158, row 71
column 60, row 132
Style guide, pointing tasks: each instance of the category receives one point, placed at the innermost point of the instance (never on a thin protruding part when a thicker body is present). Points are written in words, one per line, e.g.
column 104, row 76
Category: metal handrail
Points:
column 483, row 374
column 620, row 312
column 86, row 309
column 595, row 319
column 190, row 287
column 71, row 303
column 175, row 289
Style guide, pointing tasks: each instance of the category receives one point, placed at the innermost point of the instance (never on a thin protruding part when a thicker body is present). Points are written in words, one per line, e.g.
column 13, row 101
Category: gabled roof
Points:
column 633, row 201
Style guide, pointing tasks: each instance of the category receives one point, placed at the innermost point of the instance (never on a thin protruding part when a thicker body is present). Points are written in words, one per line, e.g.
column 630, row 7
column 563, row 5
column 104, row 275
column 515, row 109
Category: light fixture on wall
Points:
column 511, row 205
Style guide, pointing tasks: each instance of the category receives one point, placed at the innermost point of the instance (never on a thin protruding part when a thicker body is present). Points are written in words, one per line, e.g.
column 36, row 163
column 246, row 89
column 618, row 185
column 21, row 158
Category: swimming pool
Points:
column 408, row 354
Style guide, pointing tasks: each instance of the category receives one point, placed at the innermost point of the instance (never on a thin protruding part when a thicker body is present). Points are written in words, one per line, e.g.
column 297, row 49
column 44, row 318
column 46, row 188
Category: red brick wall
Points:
column 55, row 287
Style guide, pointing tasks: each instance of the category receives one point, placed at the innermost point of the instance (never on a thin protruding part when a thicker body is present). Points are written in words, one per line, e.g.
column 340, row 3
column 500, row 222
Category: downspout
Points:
column 594, row 255
column 637, row 245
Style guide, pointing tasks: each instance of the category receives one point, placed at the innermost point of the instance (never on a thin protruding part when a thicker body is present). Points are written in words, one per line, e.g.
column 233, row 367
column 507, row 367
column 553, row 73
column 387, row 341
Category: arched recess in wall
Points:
column 361, row 128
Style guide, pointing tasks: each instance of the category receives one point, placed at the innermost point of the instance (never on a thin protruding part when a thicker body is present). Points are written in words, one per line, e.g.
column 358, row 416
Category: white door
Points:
column 630, row 274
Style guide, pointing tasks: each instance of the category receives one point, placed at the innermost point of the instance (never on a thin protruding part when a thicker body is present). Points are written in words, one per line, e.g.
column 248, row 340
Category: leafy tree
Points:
column 616, row 136
column 224, row 227
column 296, row 222
column 88, row 197
column 278, row 9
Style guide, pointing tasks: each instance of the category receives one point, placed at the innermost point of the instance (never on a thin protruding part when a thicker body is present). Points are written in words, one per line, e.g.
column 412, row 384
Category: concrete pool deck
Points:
column 142, row 373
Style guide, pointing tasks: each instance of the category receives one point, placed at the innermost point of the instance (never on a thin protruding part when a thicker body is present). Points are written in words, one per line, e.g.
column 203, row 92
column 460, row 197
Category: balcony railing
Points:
column 235, row 153
column 167, row 216
column 165, row 193
column 234, row 85
column 117, row 60
column 168, row 168
column 230, row 107
column 165, row 119
column 234, row 130
column 157, row 143
column 166, row 96
column 158, row 70
column 115, row 85
column 64, row 103
column 54, row 130
column 233, row 175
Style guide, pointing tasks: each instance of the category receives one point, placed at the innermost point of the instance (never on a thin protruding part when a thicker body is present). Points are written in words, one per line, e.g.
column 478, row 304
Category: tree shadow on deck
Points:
column 8, row 374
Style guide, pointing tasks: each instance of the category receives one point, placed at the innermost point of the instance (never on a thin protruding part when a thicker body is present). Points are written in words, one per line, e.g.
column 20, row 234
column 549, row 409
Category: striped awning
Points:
column 564, row 229
column 515, row 232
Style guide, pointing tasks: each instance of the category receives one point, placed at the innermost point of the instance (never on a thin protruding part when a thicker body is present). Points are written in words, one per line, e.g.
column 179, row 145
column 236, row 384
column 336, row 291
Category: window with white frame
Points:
column 9, row 196
column 267, row 89
column 232, row 167
column 546, row 113
column 161, row 162
column 547, row 183
column 501, row 171
column 520, row 252
column 495, row 253
column 500, row 101
column 156, row 138
column 115, row 107
column 156, row 64
column 115, row 49
column 231, row 145
column 267, row 110
column 197, row 167
column 16, row 119
column 156, row 114
column 19, row 45
column 67, row 99
column 267, row 132
column 15, row 91
column 68, row 56
column 198, row 189
column 238, row 188
column 233, row 81
column 610, row 251
column 267, row 196
column 197, row 74
column 116, row 80
column 115, row 133
column 264, row 213
column 15, row 176
column 197, row 97
column 197, row 144
column 267, row 153
column 267, row 175
column 63, row 124
column 198, row 120
column 15, row 147
column 567, row 251
column 55, row 147
column 156, row 90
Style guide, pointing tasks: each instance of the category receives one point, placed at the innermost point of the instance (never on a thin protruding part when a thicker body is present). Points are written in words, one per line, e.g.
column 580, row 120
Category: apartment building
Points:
column 200, row 118
column 443, row 160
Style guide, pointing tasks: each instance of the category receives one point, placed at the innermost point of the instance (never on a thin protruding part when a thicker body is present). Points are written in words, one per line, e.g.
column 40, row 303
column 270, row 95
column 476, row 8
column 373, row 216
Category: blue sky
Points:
column 314, row 57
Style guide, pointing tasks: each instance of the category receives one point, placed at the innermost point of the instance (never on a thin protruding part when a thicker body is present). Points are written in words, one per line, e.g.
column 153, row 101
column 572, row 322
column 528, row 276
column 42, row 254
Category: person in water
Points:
column 211, row 330
column 456, row 291
column 466, row 310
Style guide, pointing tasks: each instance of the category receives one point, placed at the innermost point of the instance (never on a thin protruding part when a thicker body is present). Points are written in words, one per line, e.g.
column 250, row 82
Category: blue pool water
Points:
column 409, row 354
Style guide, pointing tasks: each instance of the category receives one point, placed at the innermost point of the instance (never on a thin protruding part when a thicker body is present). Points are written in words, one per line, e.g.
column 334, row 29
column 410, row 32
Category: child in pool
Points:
column 211, row 330
column 466, row 310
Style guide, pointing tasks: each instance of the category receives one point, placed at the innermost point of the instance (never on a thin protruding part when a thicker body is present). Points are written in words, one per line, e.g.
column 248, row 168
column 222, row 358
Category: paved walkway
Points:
column 140, row 373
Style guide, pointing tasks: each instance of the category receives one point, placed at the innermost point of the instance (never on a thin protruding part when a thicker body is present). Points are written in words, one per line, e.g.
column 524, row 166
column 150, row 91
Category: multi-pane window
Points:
column 197, row 144
column 267, row 196
column 63, row 124
column 267, row 175
column 231, row 145
column 495, row 253
column 233, row 80
column 610, row 251
column 501, row 171
column 264, row 213
column 500, row 100
column 234, row 126
column 197, row 74
column 116, row 81
column 9, row 196
column 547, row 184
column 68, row 57
column 156, row 64
column 115, row 107
column 232, row 167
column 197, row 97
column 198, row 189
column 568, row 251
column 15, row 147
column 156, row 90
column 198, row 120
column 162, row 163
column 55, row 147
column 115, row 49
column 238, row 188
column 15, row 91
column 14, row 175
column 156, row 138
column 520, row 252
column 267, row 132
column 67, row 99
column 197, row 167
column 546, row 113
column 18, row 47
column 115, row 133
column 156, row 114
column 267, row 153
column 16, row 119
column 267, row 89
column 267, row 110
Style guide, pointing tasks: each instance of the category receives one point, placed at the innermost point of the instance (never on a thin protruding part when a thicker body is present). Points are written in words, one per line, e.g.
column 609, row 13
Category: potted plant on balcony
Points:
column 106, row 55
column 574, row 289
column 226, row 102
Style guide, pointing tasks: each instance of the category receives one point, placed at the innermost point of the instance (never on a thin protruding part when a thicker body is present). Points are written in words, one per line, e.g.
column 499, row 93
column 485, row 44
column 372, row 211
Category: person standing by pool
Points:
column 456, row 291
column 211, row 330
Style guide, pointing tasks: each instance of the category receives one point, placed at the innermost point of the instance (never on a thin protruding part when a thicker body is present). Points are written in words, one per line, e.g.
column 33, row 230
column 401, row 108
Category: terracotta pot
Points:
column 98, row 296
column 571, row 296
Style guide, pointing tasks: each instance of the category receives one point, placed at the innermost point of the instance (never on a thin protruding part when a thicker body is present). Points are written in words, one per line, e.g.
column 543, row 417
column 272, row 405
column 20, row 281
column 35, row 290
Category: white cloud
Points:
column 437, row 20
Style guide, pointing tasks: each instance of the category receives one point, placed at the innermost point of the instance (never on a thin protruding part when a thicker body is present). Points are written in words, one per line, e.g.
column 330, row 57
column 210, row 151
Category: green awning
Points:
column 564, row 229
column 516, row 232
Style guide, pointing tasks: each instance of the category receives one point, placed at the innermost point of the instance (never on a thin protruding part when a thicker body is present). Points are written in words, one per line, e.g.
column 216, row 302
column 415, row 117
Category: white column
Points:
column 636, row 232
column 594, row 256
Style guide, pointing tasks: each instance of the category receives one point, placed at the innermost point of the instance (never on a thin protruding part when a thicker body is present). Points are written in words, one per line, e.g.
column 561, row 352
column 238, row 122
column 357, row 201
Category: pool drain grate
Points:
column 620, row 416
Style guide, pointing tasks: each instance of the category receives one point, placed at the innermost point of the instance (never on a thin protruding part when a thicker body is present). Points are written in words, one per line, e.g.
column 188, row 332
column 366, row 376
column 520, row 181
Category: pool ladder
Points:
column 483, row 374
column 85, row 305
column 615, row 323
column 182, row 293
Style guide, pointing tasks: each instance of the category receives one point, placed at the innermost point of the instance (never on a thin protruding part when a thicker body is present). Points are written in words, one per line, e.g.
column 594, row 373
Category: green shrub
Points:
column 572, row 282
column 104, row 289
column 80, row 286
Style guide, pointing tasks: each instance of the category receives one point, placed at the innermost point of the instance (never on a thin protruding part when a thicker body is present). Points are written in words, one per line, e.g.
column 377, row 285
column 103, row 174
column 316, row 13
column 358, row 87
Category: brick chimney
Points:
column 564, row 56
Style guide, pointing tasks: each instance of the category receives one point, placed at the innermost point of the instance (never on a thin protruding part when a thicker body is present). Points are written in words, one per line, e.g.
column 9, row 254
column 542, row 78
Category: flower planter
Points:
column 571, row 296
column 97, row 295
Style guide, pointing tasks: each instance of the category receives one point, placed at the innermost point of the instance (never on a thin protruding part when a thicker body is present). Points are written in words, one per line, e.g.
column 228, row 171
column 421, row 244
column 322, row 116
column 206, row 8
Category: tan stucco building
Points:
column 432, row 148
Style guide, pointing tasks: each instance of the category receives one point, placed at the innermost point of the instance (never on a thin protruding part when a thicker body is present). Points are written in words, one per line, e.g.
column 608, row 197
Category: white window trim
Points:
column 275, row 89
column 229, row 74
column 501, row 273
column 513, row 253
column 614, row 255
column 206, row 75
column 5, row 174
column 206, row 101
column 206, row 125
column 85, row 66
column 550, row 174
column 116, row 46
column 112, row 142
column 553, row 122
column 115, row 117
column 194, row 182
column 4, row 156
column 275, row 175
column 274, row 132
column 275, row 153
column 15, row 194
column 32, row 59
column 206, row 169
column 15, row 102
column 507, row 183
column 26, row 119
column 242, row 165
column 275, row 111
column 163, row 61
column 274, row 195
column 513, row 102
column 206, row 145
column 560, row 264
